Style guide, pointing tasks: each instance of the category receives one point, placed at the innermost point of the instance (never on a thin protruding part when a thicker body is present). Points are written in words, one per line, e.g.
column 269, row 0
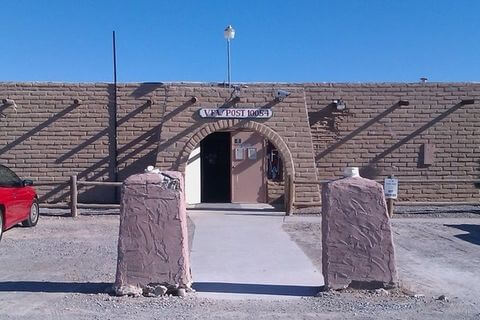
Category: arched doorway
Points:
column 236, row 169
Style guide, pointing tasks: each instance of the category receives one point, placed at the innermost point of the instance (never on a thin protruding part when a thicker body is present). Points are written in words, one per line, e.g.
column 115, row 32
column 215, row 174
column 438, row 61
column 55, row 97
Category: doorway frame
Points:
column 275, row 138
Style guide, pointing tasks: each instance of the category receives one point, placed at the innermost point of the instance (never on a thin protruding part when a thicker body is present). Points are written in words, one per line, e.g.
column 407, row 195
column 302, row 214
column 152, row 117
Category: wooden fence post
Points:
column 390, row 207
column 73, row 196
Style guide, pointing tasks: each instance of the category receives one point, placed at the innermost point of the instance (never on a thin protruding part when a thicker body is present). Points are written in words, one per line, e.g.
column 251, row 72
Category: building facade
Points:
column 238, row 144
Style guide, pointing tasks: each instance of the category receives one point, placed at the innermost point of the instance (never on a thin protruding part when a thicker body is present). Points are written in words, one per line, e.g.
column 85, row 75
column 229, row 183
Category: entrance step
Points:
column 234, row 206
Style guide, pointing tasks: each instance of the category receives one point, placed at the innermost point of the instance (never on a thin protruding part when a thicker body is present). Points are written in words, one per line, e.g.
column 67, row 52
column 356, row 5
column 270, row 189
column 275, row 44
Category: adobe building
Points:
column 239, row 144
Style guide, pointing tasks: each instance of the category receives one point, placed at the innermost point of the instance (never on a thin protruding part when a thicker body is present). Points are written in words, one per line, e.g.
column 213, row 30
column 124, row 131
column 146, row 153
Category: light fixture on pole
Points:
column 229, row 34
column 339, row 104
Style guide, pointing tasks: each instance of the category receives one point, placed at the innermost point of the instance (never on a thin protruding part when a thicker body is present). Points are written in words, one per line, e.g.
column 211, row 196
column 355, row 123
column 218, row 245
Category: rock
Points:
column 154, row 290
column 382, row 292
column 160, row 290
column 418, row 295
column 443, row 298
column 172, row 287
column 356, row 235
column 181, row 292
column 324, row 294
column 190, row 290
column 128, row 290
column 153, row 238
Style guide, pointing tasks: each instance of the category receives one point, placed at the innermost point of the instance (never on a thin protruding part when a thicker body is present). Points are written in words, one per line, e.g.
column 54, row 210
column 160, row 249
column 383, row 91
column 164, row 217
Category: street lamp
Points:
column 229, row 34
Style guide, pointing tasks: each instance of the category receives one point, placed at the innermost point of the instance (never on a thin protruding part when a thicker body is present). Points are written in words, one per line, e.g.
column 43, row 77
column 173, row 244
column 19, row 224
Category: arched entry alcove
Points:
column 232, row 125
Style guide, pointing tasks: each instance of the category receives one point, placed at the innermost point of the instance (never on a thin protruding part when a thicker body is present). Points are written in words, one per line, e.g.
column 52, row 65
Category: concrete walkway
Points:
column 246, row 254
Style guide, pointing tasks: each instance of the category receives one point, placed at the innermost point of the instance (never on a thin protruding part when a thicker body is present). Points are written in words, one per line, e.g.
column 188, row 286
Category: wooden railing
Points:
column 290, row 201
column 291, row 183
column 73, row 184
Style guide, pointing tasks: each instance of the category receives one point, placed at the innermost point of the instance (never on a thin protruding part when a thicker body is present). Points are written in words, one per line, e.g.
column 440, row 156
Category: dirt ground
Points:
column 61, row 268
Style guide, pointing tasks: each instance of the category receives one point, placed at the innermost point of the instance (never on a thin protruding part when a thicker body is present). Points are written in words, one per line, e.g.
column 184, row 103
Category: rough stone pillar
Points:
column 153, row 255
column 356, row 236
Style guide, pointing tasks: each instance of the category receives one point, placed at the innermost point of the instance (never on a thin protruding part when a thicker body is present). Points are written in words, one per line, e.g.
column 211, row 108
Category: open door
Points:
column 215, row 168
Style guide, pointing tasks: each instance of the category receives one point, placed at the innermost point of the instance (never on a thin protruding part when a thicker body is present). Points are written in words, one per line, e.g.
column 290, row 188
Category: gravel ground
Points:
column 61, row 268
column 416, row 211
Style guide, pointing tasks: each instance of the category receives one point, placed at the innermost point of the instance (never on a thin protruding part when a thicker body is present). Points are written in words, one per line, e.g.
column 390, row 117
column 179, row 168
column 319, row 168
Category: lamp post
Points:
column 229, row 34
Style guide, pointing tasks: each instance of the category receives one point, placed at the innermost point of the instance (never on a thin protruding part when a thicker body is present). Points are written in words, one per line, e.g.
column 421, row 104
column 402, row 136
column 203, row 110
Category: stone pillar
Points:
column 356, row 235
column 153, row 255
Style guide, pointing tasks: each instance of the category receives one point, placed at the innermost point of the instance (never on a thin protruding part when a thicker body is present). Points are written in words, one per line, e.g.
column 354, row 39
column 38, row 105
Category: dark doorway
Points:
column 215, row 168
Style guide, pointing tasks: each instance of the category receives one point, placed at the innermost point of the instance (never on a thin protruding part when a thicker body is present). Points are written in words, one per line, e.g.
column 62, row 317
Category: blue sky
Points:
column 287, row 41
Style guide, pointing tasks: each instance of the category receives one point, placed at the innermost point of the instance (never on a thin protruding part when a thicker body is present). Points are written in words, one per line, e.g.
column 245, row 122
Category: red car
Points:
column 18, row 201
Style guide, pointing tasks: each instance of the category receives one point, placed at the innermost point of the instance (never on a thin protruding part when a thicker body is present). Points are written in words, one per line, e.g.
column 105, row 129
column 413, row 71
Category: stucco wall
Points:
column 382, row 137
column 48, row 137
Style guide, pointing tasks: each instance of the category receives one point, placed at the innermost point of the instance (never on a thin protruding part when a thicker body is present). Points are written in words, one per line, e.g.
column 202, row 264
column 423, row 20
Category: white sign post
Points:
column 391, row 188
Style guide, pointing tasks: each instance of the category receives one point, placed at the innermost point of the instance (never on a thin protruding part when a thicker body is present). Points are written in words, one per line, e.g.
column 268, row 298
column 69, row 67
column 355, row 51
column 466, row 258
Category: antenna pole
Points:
column 114, row 113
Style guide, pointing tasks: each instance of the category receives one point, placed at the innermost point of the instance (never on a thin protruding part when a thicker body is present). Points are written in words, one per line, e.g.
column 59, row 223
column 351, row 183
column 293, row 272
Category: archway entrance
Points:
column 230, row 166
column 257, row 158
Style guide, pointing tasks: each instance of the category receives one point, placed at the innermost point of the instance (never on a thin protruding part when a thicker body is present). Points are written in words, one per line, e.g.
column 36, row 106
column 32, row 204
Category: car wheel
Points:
column 33, row 216
column 1, row 224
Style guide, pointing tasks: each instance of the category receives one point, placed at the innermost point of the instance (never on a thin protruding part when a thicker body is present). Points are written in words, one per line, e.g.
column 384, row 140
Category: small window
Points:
column 274, row 163
column 8, row 178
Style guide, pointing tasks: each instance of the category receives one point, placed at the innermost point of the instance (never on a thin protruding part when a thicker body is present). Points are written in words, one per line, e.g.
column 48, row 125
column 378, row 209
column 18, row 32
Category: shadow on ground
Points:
column 102, row 287
column 453, row 210
column 473, row 235
column 50, row 212
column 267, row 289
column 54, row 287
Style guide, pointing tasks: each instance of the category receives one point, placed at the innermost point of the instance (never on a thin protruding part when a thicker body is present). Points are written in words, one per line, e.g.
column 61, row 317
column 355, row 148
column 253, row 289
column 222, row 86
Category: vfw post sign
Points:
column 236, row 113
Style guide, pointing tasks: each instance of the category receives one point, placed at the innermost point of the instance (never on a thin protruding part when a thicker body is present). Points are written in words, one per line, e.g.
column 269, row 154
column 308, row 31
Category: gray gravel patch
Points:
column 59, row 269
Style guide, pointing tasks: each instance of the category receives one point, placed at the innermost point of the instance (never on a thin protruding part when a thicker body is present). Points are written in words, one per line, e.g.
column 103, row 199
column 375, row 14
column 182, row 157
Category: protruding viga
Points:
column 153, row 238
column 356, row 235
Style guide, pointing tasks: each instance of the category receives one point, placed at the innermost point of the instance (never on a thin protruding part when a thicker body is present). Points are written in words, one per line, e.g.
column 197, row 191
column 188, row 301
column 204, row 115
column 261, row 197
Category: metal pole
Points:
column 114, row 120
column 114, row 60
column 228, row 62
